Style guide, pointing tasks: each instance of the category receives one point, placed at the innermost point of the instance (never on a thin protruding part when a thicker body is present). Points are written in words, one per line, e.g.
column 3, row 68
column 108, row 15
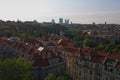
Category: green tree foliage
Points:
column 112, row 49
column 31, row 29
column 89, row 43
column 78, row 38
column 69, row 35
column 101, row 47
column 109, row 47
column 15, row 69
column 62, row 78
column 57, row 77
column 50, row 77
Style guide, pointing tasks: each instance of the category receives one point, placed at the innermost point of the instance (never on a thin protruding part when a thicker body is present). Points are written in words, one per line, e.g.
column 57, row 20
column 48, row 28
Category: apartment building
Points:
column 88, row 64
column 44, row 59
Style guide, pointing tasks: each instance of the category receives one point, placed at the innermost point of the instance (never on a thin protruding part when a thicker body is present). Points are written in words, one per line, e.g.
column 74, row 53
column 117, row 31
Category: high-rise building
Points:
column 61, row 21
column 105, row 22
column 66, row 21
column 53, row 21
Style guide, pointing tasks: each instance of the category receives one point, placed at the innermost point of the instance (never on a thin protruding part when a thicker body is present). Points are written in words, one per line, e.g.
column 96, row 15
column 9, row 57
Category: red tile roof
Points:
column 87, row 51
column 64, row 41
column 3, row 38
column 1, row 45
column 118, row 65
column 114, row 57
column 102, row 54
column 51, row 44
column 98, row 59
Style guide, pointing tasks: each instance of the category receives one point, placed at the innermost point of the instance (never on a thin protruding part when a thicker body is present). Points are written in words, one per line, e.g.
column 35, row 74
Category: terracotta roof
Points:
column 38, row 61
column 63, row 41
column 103, row 54
column 87, row 51
column 98, row 59
column 45, row 38
column 51, row 44
column 1, row 45
column 118, row 65
column 3, row 38
column 114, row 57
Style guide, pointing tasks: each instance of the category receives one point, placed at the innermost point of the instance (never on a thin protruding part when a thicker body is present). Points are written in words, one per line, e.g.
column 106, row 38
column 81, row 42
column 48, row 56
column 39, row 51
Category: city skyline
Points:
column 82, row 11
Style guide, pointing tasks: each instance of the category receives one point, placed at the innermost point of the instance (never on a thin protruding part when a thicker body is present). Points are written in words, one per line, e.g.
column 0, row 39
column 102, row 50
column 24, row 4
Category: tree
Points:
column 109, row 47
column 50, row 77
column 89, row 43
column 78, row 38
column 15, row 69
column 101, row 47
column 55, row 76
column 62, row 78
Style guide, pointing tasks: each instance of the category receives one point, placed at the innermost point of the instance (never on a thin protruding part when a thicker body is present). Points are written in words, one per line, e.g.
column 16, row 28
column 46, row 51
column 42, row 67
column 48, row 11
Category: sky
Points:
column 78, row 11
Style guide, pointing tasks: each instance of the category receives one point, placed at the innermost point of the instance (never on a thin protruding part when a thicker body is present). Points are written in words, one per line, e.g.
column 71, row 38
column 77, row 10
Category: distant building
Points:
column 105, row 22
column 61, row 21
column 88, row 64
column 66, row 21
column 41, row 53
column 53, row 21
column 93, row 23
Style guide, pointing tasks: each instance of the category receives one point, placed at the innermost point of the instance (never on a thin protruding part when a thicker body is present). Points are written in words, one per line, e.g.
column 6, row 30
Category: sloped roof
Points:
column 51, row 44
column 118, row 65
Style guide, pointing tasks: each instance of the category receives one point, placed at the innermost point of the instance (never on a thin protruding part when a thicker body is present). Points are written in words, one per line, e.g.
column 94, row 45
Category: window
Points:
column 91, row 72
column 86, row 63
column 97, row 65
column 86, row 57
column 98, row 73
column 91, row 65
column 79, row 72
column 107, row 78
column 84, row 70
column 90, row 78
column 79, row 61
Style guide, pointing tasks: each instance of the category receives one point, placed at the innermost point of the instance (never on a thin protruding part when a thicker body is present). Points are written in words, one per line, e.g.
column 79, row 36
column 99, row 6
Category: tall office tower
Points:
column 61, row 21
column 66, row 21
column 105, row 22
column 53, row 21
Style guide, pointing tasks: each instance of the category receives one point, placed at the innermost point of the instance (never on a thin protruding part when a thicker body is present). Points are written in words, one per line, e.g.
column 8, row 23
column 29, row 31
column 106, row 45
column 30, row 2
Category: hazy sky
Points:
column 78, row 11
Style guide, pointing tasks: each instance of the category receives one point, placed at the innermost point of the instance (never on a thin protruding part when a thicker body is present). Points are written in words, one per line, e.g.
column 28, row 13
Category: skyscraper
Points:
column 66, row 21
column 53, row 21
column 60, row 20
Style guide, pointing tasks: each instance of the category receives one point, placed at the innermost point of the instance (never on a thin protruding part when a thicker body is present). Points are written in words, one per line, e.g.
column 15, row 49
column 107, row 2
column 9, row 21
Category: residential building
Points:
column 88, row 64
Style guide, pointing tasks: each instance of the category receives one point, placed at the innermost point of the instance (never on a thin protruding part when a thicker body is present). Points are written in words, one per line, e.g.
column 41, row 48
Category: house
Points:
column 89, row 64
column 45, row 59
